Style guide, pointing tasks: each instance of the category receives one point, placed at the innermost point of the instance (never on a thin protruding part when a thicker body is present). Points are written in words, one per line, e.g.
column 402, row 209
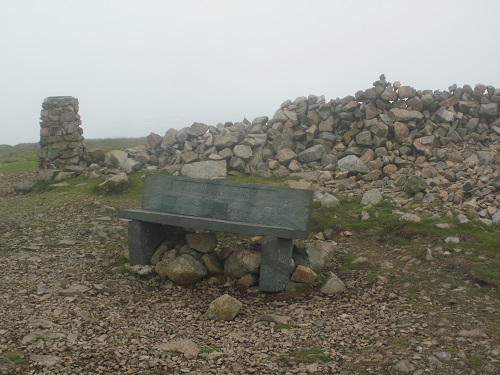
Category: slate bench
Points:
column 279, row 214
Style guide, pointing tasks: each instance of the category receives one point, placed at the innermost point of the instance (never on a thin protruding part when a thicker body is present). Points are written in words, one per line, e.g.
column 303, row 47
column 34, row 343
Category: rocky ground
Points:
column 67, row 307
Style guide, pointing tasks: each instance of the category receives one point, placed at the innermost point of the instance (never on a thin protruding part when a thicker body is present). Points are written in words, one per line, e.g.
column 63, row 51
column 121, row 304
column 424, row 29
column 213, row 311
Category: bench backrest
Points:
column 244, row 203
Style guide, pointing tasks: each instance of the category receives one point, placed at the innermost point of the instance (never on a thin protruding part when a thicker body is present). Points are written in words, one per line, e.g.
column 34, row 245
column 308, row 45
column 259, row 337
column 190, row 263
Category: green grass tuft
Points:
column 311, row 355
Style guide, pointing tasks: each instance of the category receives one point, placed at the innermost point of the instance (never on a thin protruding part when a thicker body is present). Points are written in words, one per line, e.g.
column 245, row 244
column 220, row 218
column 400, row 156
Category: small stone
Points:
column 333, row 285
column 428, row 255
column 278, row 319
column 224, row 308
column 452, row 239
column 184, row 346
column 303, row 274
column 404, row 366
column 410, row 217
column 473, row 333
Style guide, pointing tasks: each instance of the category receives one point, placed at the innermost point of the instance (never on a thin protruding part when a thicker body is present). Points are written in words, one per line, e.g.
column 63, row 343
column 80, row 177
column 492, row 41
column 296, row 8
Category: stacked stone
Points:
column 382, row 136
column 61, row 141
column 386, row 125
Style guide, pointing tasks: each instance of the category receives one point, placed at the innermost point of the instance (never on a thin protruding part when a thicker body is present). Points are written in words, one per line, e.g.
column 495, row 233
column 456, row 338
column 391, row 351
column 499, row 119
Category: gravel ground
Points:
column 65, row 309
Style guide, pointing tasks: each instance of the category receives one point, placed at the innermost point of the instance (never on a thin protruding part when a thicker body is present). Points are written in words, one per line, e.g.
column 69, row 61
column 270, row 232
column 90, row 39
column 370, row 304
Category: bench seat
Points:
column 278, row 214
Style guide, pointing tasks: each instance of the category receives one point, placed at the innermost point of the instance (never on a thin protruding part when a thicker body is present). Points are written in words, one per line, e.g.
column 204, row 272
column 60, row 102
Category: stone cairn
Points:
column 61, row 141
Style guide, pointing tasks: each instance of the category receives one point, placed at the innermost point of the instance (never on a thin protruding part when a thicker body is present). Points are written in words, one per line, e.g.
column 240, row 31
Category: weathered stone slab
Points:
column 252, row 204
column 276, row 254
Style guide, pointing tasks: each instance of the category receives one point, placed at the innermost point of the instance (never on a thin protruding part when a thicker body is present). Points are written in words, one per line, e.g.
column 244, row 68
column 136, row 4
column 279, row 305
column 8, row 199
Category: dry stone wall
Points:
column 435, row 146
column 61, row 140
column 385, row 125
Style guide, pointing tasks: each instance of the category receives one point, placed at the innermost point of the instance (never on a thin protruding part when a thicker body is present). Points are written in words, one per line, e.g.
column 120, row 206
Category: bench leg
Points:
column 143, row 240
column 275, row 264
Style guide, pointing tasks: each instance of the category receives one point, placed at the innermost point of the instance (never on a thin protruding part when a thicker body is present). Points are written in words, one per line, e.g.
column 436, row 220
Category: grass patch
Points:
column 120, row 265
column 18, row 159
column 283, row 326
column 311, row 355
column 24, row 156
column 13, row 359
column 487, row 272
column 211, row 350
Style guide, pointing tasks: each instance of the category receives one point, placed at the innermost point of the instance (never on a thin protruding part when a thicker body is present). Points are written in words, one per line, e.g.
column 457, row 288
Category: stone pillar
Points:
column 61, row 140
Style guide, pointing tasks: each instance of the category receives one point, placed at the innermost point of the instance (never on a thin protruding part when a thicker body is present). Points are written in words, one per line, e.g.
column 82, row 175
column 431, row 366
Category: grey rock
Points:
column 237, row 164
column 197, row 129
column 189, row 157
column 184, row 346
column 130, row 165
column 425, row 144
column 274, row 318
column 352, row 163
column 224, row 141
column 314, row 255
column 312, row 153
column 116, row 183
column 262, row 120
column 204, row 242
column 283, row 141
column 404, row 367
column 371, row 111
column 170, row 137
column 414, row 185
column 25, row 186
column 364, row 138
column 327, row 200
column 205, row 169
column 285, row 156
column 214, row 266
column 488, row 110
column 303, row 274
column 405, row 92
column 398, row 114
column 116, row 158
column 372, row 197
column 443, row 115
column 333, row 285
column 154, row 140
column 241, row 262
column 161, row 265
column 185, row 270
column 224, row 308
column 45, row 359
column 410, row 217
column 496, row 218
column 242, row 152
column 326, row 125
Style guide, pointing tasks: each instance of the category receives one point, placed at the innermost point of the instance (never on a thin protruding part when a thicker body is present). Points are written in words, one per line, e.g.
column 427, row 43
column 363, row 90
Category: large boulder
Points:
column 185, row 270
column 116, row 183
column 203, row 242
column 414, row 185
column 197, row 129
column 312, row 154
column 372, row 197
column 116, row 158
column 314, row 255
column 351, row 163
column 241, row 262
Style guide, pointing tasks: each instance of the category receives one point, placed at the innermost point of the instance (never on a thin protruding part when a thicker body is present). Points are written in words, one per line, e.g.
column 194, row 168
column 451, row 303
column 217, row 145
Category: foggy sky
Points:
column 147, row 66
